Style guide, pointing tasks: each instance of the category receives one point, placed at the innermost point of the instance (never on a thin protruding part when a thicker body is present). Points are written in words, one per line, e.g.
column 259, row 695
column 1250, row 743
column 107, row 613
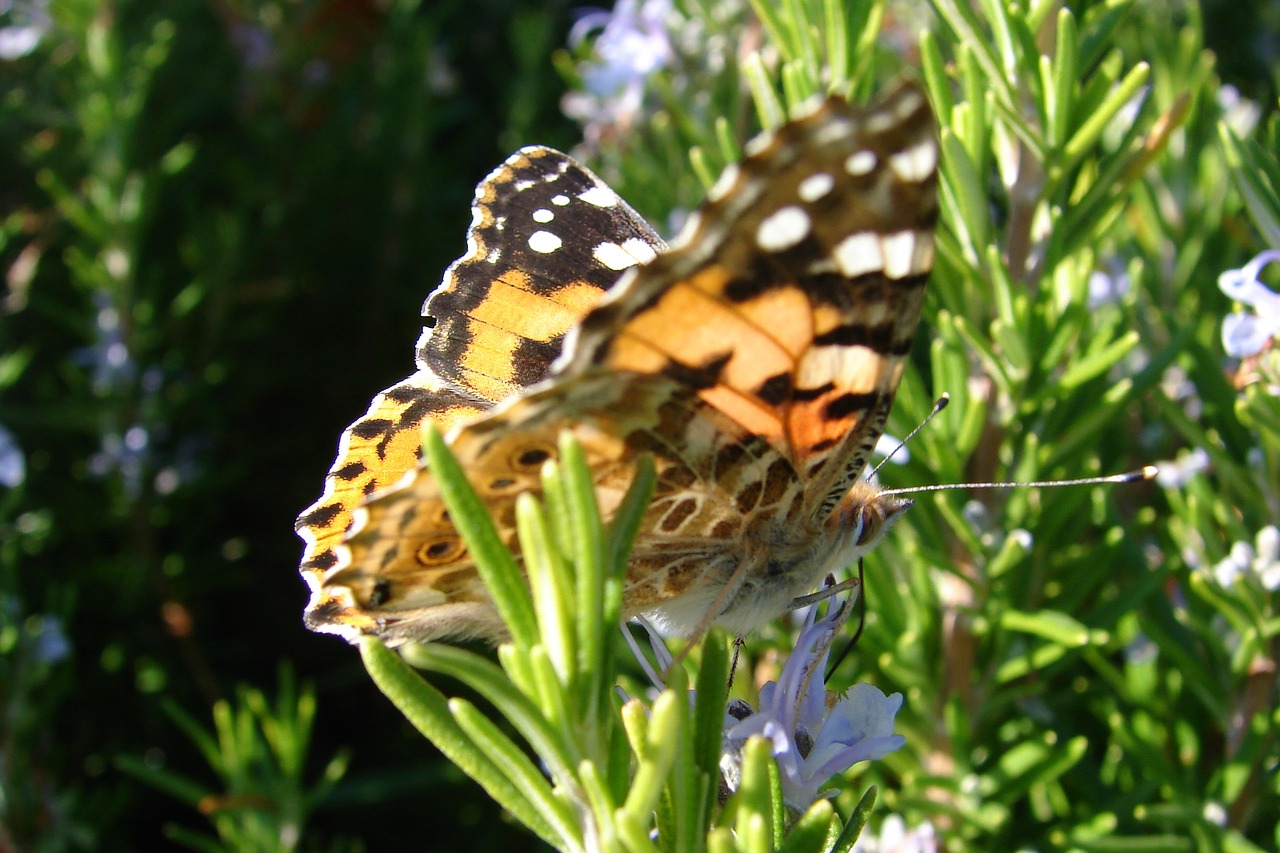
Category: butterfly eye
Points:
column 442, row 549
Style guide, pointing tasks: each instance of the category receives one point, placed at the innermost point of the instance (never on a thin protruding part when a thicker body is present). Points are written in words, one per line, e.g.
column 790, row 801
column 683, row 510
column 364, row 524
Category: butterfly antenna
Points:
column 938, row 406
column 1147, row 472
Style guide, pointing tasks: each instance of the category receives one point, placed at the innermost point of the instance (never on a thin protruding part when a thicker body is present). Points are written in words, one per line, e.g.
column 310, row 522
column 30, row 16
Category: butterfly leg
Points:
column 738, row 642
column 824, row 593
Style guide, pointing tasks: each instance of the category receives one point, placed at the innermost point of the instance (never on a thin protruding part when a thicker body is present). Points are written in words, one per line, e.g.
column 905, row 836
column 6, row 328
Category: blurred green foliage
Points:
column 220, row 222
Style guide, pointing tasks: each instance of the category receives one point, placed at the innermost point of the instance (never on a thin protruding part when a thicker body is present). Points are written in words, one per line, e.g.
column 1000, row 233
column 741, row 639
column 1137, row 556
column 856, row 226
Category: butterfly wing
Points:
column 791, row 300
column 547, row 238
column 407, row 571
column 503, row 309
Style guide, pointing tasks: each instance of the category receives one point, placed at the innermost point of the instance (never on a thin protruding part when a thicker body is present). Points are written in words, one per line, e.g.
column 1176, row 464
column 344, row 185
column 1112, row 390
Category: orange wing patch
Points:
column 792, row 299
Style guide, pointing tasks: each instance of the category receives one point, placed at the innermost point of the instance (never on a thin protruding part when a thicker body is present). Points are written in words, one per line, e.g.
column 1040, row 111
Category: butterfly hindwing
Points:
column 406, row 562
column 373, row 453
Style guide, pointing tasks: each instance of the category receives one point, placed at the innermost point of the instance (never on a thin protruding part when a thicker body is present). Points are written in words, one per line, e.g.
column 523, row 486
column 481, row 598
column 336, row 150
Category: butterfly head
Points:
column 860, row 520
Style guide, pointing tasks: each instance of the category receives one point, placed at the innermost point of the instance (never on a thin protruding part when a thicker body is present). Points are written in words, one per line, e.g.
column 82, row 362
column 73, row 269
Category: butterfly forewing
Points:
column 796, row 292
column 547, row 238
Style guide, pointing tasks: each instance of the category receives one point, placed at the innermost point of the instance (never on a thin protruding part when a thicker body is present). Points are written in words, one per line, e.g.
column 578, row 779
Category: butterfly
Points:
column 755, row 359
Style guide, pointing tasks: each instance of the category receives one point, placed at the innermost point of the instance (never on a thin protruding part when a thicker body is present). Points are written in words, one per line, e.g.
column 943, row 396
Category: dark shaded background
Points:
column 277, row 282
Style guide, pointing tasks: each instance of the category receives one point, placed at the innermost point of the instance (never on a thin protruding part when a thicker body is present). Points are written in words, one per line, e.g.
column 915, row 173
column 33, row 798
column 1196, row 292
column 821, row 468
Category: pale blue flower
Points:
column 129, row 455
column 1107, row 289
column 41, row 637
column 13, row 465
column 255, row 46
column 1238, row 113
column 1246, row 334
column 633, row 43
column 25, row 24
column 1141, row 650
column 815, row 735
column 1215, row 813
column 1176, row 473
column 1259, row 559
column 811, row 741
column 50, row 644
column 108, row 356
column 894, row 837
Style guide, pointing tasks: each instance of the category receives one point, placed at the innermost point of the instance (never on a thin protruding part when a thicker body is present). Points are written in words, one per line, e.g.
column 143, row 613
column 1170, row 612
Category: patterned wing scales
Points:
column 406, row 569
column 791, row 299
column 373, row 453
column 547, row 239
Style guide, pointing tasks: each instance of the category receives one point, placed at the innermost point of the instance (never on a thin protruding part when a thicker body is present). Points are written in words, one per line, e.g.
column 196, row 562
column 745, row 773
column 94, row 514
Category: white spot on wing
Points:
column 543, row 215
column 560, row 200
column 808, row 107
column 782, row 229
column 855, row 369
column 620, row 257
column 832, row 130
column 900, row 254
column 858, row 254
column 757, row 144
column 816, row 186
column 915, row 163
column 860, row 163
column 599, row 196
column 613, row 256
column 908, row 103
column 881, row 120
column 724, row 183
column 544, row 242
column 640, row 250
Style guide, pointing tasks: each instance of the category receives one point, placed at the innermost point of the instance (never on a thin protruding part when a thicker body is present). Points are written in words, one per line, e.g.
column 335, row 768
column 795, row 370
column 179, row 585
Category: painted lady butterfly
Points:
column 756, row 359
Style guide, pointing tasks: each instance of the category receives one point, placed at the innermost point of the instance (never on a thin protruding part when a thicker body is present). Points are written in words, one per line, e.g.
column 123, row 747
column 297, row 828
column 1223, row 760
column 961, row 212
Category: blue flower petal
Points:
column 1243, row 284
column 13, row 465
column 1244, row 335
